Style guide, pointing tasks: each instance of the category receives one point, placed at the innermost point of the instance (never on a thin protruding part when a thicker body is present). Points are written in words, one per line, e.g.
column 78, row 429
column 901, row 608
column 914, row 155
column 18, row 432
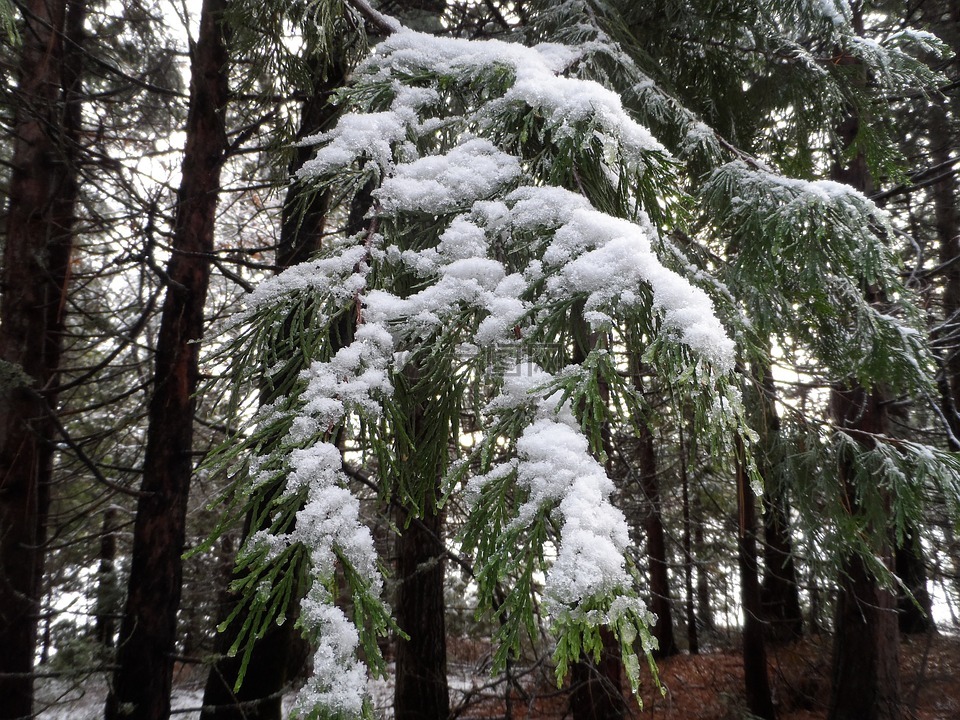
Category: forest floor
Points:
column 709, row 686
column 698, row 687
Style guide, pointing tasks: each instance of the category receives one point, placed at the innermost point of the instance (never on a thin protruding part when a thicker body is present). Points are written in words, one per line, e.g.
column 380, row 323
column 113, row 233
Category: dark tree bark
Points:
column 915, row 610
column 780, row 592
column 107, row 601
column 693, row 636
column 142, row 682
column 595, row 691
column 278, row 656
column 704, row 608
column 421, row 691
column 36, row 261
column 757, row 683
column 656, row 544
column 866, row 673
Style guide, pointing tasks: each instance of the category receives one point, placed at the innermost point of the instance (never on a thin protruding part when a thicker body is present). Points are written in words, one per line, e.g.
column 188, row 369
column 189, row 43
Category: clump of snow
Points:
column 554, row 465
column 339, row 681
column 351, row 382
column 836, row 11
column 437, row 184
column 357, row 135
column 341, row 276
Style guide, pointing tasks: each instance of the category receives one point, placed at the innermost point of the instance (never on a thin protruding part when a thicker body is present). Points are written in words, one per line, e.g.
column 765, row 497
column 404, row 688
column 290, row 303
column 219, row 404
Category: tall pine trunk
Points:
column 693, row 636
column 866, row 672
column 915, row 606
column 660, row 603
column 274, row 659
column 421, row 691
column 780, row 591
column 756, row 680
column 36, row 261
column 143, row 678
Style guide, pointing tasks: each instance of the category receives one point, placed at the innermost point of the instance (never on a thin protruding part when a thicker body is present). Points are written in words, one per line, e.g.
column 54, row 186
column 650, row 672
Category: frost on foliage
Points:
column 554, row 465
column 439, row 184
column 339, row 681
column 503, row 250
column 789, row 209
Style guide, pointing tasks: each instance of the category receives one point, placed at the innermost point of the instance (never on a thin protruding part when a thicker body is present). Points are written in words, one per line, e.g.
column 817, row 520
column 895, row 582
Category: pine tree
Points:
column 38, row 241
column 516, row 196
column 142, row 680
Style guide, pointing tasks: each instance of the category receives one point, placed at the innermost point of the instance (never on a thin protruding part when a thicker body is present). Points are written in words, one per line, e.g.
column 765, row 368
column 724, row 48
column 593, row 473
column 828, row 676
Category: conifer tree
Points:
column 515, row 194
column 38, row 241
column 144, row 673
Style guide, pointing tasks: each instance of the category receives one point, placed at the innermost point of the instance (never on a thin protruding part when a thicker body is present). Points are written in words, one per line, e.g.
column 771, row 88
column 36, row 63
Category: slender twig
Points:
column 384, row 23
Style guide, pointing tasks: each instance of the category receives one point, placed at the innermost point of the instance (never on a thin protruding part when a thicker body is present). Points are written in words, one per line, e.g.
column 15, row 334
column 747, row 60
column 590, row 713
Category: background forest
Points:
column 487, row 358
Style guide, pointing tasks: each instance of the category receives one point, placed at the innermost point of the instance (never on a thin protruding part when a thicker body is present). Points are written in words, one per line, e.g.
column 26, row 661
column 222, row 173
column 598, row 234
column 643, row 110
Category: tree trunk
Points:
column 759, row 698
column 866, row 673
column 36, row 261
column 276, row 659
column 595, row 691
column 915, row 610
column 142, row 682
column 693, row 637
column 107, row 589
column 704, row 610
column 421, row 691
column 421, row 678
column 780, row 592
column 656, row 545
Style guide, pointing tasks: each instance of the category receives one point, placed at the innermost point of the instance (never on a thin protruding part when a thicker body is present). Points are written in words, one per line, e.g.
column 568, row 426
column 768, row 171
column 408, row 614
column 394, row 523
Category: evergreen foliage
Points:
column 529, row 236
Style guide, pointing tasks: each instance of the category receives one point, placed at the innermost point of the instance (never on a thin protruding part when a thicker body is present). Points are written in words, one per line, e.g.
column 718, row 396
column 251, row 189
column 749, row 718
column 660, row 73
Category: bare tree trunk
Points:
column 704, row 609
column 107, row 590
column 142, row 682
column 780, row 592
column 656, row 545
column 421, row 680
column 915, row 610
column 693, row 637
column 759, row 698
column 36, row 261
column 866, row 673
